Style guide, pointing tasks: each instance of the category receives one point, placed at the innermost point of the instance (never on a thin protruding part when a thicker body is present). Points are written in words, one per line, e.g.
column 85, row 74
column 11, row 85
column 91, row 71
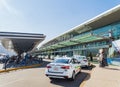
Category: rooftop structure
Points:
column 20, row 42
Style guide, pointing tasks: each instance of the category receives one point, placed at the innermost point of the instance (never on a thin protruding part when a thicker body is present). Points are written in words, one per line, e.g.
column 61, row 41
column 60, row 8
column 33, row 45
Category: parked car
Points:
column 65, row 68
column 84, row 62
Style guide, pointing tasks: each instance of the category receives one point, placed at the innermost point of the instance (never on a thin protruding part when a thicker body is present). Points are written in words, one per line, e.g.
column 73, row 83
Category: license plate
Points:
column 55, row 68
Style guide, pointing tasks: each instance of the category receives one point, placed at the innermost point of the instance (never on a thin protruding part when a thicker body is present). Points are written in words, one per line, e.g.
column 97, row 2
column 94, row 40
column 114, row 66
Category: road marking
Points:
column 85, row 80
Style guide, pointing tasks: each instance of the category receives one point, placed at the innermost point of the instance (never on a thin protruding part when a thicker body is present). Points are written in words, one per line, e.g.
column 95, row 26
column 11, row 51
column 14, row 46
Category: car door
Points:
column 76, row 66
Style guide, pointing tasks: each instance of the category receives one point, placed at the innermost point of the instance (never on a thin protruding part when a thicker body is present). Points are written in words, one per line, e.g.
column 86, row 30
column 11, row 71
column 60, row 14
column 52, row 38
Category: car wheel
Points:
column 73, row 76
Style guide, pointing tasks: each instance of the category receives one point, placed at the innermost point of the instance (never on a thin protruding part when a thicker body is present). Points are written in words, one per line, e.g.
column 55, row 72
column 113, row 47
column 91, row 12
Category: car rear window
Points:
column 82, row 58
column 66, row 61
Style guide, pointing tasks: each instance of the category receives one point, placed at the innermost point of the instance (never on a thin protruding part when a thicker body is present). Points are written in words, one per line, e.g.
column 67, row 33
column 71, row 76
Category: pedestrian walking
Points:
column 102, row 58
column 91, row 57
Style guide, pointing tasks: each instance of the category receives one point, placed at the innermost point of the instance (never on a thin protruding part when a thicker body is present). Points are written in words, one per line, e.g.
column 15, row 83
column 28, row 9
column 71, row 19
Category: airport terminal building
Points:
column 88, row 37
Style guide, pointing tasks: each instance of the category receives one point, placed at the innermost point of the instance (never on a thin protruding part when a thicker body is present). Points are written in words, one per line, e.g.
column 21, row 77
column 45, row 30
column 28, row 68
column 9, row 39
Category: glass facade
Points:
column 86, row 48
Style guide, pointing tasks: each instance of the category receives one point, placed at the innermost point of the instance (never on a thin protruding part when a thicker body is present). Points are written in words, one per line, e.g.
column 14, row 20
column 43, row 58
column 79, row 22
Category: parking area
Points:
column 35, row 77
column 89, row 77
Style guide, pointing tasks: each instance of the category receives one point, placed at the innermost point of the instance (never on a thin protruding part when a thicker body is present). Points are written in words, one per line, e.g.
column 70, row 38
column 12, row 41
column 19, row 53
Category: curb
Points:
column 23, row 67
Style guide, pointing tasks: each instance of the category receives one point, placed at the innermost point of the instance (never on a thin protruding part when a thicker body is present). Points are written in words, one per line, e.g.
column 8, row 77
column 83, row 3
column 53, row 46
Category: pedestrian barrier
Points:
column 114, row 61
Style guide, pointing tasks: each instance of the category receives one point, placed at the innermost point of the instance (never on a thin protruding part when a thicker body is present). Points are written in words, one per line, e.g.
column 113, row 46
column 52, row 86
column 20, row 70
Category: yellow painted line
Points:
column 85, row 80
column 24, row 67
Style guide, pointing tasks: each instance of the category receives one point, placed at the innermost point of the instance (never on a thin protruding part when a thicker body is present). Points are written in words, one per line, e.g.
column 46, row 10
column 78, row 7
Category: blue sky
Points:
column 49, row 17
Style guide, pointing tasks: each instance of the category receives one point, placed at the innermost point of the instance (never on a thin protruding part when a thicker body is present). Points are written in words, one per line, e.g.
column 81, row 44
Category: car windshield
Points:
column 61, row 61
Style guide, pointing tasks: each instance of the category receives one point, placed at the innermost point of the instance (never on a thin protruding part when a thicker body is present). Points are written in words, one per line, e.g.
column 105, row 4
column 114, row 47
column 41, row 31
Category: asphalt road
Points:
column 35, row 77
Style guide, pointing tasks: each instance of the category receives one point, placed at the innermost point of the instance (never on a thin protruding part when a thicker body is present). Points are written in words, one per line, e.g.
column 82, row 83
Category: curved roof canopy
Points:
column 101, row 20
column 76, row 40
column 21, row 42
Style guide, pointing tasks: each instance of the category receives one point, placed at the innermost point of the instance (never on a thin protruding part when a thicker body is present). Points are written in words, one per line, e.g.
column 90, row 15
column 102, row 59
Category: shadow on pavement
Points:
column 89, row 67
column 112, row 68
column 67, row 83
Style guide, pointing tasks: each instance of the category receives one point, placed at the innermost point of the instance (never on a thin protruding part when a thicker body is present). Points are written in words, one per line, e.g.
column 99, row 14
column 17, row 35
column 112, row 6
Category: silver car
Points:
column 84, row 62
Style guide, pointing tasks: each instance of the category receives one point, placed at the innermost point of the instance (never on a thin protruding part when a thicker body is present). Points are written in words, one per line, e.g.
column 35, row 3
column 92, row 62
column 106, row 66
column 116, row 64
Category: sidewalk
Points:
column 104, row 77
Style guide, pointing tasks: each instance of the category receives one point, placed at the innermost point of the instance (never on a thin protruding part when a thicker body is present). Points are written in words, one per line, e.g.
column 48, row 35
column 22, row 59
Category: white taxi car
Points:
column 83, row 61
column 64, row 67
